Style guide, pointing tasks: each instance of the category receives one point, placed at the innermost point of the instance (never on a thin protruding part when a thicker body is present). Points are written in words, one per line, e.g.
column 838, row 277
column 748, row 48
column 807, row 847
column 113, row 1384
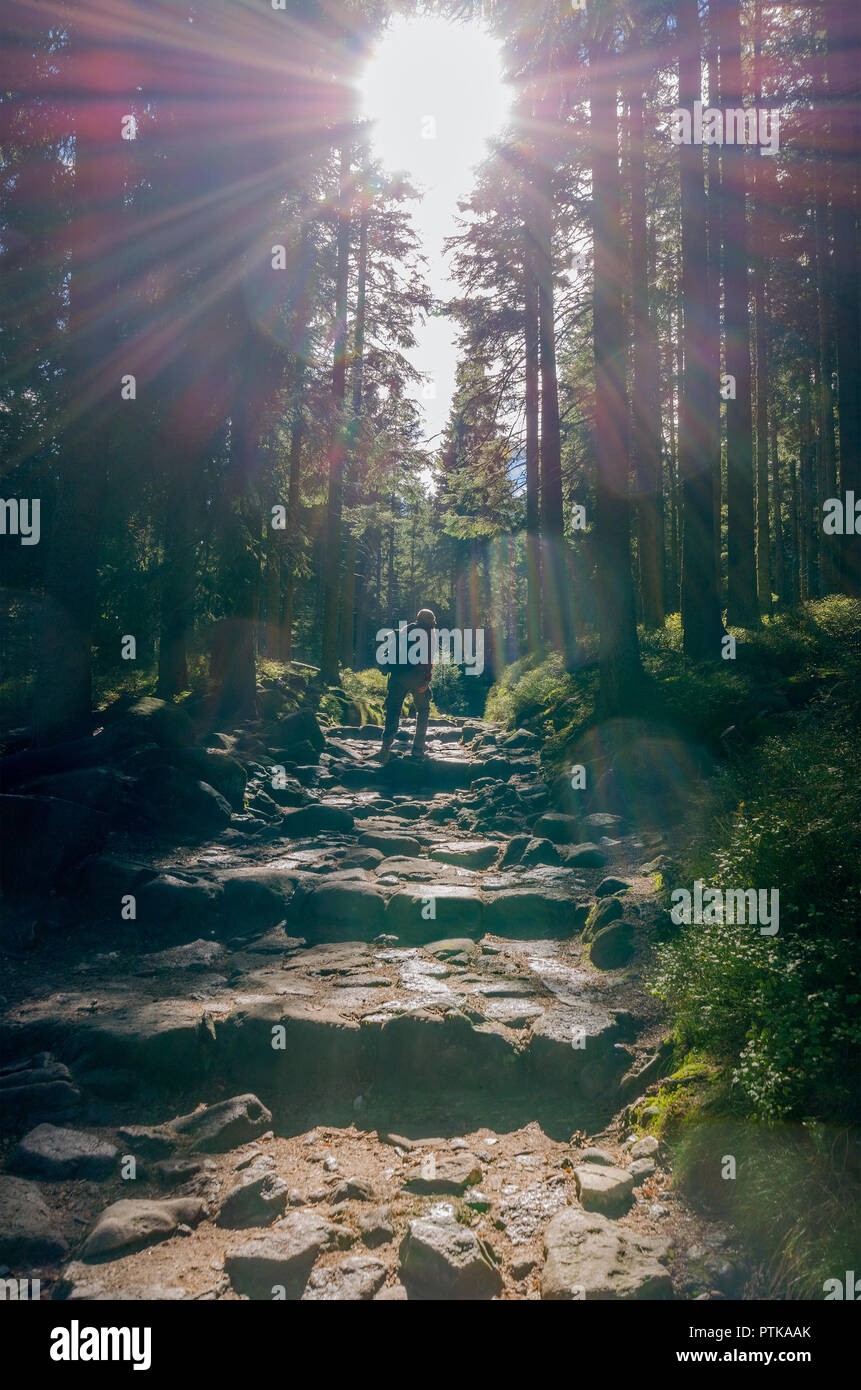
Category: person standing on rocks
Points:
column 410, row 678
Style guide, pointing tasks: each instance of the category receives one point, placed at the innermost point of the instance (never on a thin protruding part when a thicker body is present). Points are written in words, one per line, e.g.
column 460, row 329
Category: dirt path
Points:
column 395, row 968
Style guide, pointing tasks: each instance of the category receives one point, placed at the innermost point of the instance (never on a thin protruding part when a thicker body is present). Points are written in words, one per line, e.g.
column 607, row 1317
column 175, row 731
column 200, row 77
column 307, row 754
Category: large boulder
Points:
column 443, row 1260
column 218, row 769
column 424, row 912
column 178, row 804
column 347, row 910
column 587, row 1255
column 390, row 843
column 134, row 1222
column 155, row 721
column 605, row 911
column 555, row 826
column 51, row 1152
column 99, row 788
column 613, row 946
column 36, row 1088
column 316, row 819
column 29, row 1235
column 224, row 1126
column 301, row 727
column 169, row 905
column 282, row 1258
column 41, row 837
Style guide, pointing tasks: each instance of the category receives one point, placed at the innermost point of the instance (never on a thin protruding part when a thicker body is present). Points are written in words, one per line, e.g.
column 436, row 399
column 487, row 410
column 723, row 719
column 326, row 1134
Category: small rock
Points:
column 448, row 1173
column 611, row 885
column 255, row 1201
column 645, row 1148
column 376, row 1227
column 599, row 1156
column 353, row 1190
column 642, row 1168
column 606, row 1190
column 357, row 1277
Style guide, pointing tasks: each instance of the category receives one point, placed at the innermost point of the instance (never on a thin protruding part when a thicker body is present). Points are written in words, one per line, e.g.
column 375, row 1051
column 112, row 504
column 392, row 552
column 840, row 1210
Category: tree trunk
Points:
column 619, row 656
column 63, row 689
column 556, row 614
column 742, row 605
column 700, row 598
column 828, row 570
column 763, row 567
column 287, row 616
column 713, row 344
column 533, row 539
column 340, row 443
column 843, row 60
column 646, row 396
column 777, row 503
column 348, row 611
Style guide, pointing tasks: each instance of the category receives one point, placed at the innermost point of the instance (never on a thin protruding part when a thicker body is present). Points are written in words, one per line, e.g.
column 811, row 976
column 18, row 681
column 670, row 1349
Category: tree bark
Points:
column 619, row 656
column 742, row 605
column 63, row 691
column 533, row 539
column 340, row 443
column 700, row 597
column 646, row 396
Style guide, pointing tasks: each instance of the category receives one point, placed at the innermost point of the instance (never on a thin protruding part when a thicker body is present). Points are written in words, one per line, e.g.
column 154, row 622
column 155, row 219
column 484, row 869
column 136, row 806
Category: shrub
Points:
column 448, row 688
column 783, row 1010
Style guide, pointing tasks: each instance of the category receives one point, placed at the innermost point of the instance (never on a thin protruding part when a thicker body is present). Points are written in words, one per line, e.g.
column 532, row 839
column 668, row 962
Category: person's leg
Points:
column 394, row 702
column 422, row 703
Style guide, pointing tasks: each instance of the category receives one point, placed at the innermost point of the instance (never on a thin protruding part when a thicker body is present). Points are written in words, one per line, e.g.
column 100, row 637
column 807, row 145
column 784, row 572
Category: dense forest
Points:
column 217, row 485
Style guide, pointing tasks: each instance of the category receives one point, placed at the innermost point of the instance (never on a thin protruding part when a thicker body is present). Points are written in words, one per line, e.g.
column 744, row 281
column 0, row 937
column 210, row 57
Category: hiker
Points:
column 410, row 679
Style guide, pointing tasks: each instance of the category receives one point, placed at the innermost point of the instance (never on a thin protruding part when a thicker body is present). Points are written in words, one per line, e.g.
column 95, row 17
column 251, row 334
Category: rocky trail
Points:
column 369, row 1032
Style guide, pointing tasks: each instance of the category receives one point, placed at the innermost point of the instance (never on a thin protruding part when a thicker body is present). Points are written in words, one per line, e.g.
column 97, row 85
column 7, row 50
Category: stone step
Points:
column 343, row 1019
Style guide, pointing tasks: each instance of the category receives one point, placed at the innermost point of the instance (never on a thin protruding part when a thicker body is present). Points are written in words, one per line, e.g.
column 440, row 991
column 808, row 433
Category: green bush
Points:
column 529, row 690
column 783, row 1010
column 795, row 1196
column 448, row 688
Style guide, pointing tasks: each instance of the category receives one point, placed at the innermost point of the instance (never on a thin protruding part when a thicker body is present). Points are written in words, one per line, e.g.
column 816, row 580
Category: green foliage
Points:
column 449, row 688
column 529, row 690
column 368, row 690
column 794, row 1195
column 782, row 1011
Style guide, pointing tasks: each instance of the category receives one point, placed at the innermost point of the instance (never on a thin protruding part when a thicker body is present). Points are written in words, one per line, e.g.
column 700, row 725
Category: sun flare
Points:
column 435, row 92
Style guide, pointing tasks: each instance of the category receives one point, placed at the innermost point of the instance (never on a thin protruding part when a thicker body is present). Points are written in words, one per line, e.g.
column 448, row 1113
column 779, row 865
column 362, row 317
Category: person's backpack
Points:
column 405, row 666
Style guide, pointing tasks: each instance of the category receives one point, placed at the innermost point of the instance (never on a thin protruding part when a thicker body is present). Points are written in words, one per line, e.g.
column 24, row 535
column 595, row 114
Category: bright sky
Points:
column 435, row 91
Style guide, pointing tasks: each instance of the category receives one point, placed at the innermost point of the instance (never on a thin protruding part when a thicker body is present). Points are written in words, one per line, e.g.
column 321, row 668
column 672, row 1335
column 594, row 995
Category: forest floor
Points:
column 413, row 1079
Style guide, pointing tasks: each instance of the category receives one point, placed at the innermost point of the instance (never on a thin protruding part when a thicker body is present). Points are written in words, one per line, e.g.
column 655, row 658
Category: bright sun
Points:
column 435, row 92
